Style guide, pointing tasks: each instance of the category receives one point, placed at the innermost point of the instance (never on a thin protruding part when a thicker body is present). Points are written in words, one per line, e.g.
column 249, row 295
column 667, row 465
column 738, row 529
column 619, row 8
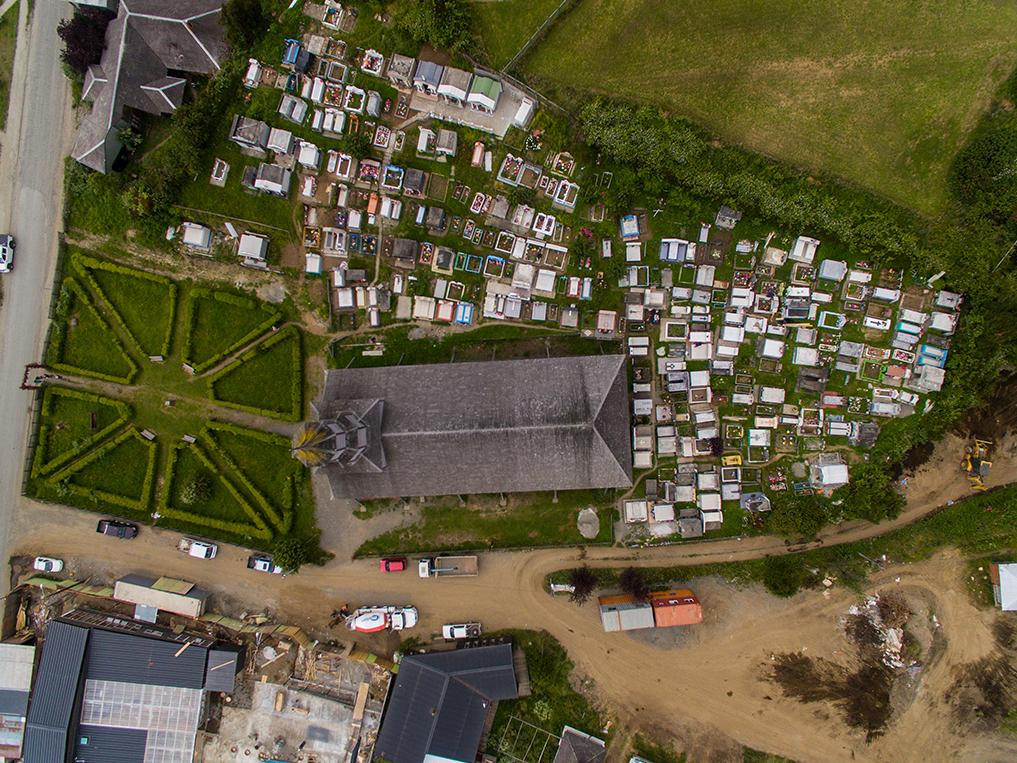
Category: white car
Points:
column 456, row 631
column 6, row 253
column 263, row 564
column 47, row 564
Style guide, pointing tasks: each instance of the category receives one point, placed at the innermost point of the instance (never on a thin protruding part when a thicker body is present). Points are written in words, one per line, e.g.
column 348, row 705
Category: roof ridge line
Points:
column 483, row 430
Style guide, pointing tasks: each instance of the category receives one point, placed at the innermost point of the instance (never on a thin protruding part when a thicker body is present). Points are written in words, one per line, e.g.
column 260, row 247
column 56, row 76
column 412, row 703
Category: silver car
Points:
column 6, row 253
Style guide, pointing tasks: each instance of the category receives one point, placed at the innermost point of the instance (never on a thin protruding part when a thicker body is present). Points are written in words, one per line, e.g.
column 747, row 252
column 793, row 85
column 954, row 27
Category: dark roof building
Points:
column 578, row 747
column 129, row 694
column 441, row 701
column 461, row 428
column 148, row 45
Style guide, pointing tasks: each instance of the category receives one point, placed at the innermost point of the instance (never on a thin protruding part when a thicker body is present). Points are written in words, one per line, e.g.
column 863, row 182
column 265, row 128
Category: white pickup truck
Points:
column 199, row 549
column 457, row 631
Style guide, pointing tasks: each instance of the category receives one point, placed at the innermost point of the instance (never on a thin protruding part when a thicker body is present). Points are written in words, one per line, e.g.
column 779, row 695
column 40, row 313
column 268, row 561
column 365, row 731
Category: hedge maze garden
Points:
column 162, row 414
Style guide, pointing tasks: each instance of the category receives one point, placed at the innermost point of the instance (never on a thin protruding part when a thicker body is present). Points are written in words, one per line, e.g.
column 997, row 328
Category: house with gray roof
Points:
column 115, row 691
column 441, row 702
column 427, row 76
column 466, row 428
column 149, row 45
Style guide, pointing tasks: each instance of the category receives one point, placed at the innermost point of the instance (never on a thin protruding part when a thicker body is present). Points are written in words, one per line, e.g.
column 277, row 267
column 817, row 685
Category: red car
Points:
column 393, row 564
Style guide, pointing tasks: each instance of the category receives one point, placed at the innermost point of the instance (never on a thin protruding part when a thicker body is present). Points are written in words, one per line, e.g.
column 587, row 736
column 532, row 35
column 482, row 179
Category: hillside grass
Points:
column 8, row 42
column 881, row 93
column 504, row 26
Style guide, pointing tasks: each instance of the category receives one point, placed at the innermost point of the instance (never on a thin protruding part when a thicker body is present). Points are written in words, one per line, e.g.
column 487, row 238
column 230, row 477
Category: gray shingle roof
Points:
column 440, row 702
column 488, row 427
column 144, row 41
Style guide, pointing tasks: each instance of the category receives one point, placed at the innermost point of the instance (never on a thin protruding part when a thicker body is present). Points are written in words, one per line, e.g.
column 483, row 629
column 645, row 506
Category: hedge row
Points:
column 231, row 299
column 58, row 335
column 39, row 468
column 258, row 529
column 296, row 411
column 282, row 522
column 137, row 504
column 85, row 264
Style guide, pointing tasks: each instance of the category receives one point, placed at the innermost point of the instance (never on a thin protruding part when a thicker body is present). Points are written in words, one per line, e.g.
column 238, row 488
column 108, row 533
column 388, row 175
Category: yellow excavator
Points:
column 976, row 464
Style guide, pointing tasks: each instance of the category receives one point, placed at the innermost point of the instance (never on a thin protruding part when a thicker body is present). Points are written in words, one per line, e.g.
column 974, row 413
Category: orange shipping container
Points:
column 678, row 607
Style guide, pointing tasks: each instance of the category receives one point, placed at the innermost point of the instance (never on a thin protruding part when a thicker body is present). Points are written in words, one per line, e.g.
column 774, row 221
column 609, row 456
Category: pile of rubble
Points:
column 887, row 639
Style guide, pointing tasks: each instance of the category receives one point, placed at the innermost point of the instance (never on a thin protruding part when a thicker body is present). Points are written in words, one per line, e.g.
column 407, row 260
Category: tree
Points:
column 584, row 583
column 84, row 37
column 783, row 575
column 871, row 493
column 244, row 22
column 798, row 516
column 633, row 582
column 291, row 552
column 130, row 139
column 197, row 490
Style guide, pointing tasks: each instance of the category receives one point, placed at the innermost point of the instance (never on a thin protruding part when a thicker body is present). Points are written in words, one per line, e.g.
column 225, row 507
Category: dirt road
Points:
column 705, row 689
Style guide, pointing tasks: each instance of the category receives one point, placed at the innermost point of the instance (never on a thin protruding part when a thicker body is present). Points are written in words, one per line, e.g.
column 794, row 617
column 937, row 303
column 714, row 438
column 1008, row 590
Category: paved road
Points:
column 31, row 203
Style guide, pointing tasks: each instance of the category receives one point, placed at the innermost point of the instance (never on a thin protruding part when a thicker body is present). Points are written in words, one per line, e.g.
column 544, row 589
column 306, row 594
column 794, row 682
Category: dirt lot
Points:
column 709, row 688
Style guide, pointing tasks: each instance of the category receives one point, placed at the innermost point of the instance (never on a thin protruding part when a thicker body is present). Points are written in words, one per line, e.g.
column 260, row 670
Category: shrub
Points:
column 445, row 24
column 244, row 21
column 291, row 552
column 798, row 516
column 784, row 575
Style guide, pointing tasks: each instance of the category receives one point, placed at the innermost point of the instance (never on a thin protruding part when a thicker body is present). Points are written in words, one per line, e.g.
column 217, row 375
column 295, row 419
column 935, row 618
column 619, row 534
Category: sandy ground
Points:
column 705, row 687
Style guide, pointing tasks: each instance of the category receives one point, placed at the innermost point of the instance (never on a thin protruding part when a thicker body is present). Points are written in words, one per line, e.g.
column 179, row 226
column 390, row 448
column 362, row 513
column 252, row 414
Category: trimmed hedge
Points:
column 296, row 411
column 258, row 529
column 39, row 468
column 282, row 522
column 142, row 502
column 231, row 299
column 85, row 264
column 71, row 289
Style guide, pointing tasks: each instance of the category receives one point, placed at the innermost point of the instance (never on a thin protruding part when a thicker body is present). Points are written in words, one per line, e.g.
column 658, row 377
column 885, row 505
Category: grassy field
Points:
column 881, row 93
column 73, row 423
column 529, row 519
column 504, row 26
column 8, row 41
column 145, row 306
column 119, row 471
column 221, row 323
column 269, row 377
column 84, row 342
column 219, row 502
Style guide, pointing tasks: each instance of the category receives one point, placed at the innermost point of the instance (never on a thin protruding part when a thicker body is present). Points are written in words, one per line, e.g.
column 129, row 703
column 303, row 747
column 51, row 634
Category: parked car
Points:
column 199, row 549
column 262, row 563
column 393, row 564
column 116, row 528
column 47, row 564
column 6, row 253
column 456, row 631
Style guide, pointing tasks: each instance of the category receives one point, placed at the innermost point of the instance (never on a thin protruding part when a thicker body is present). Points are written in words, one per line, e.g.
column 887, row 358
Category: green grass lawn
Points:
column 84, row 342
column 882, row 93
column 119, row 471
column 277, row 473
column 529, row 519
column 267, row 378
column 8, row 42
column 504, row 26
column 221, row 323
column 72, row 423
column 146, row 306
column 220, row 503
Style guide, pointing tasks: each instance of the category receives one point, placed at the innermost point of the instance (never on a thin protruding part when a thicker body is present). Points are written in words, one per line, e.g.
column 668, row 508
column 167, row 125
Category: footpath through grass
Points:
column 882, row 93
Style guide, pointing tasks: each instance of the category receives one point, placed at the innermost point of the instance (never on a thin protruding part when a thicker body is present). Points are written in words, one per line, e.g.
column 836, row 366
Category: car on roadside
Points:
column 6, row 253
column 47, row 564
column 117, row 529
column 262, row 563
column 459, row 631
column 394, row 564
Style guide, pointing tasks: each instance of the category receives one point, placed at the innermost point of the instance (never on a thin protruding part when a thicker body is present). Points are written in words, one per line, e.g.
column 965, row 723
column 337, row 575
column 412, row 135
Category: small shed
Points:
column 195, row 236
column 623, row 613
column 253, row 246
column 1004, row 585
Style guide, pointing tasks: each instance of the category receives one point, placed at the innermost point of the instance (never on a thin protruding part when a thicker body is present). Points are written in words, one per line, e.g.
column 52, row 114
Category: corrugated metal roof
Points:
column 50, row 714
column 135, row 659
column 105, row 744
column 13, row 701
column 221, row 670
column 440, row 702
